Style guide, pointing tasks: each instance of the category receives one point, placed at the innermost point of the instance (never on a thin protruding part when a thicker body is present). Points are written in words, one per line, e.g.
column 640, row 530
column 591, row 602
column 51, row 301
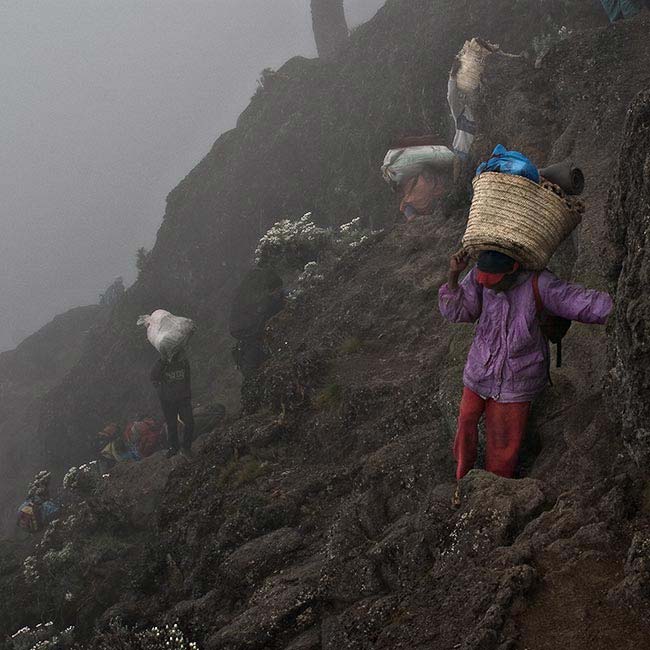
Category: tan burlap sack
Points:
column 519, row 218
column 471, row 61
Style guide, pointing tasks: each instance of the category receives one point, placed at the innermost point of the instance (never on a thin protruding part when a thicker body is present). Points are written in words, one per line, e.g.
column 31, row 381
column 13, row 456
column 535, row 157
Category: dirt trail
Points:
column 570, row 609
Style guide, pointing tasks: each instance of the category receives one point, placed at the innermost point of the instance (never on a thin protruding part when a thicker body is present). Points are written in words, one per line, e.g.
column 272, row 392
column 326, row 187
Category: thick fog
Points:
column 105, row 106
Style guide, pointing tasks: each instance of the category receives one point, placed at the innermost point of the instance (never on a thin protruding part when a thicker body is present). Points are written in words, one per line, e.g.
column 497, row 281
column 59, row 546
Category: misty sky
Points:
column 105, row 105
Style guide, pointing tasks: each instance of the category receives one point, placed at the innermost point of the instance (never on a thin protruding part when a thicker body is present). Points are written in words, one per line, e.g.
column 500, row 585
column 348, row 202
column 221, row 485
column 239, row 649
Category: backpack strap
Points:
column 539, row 304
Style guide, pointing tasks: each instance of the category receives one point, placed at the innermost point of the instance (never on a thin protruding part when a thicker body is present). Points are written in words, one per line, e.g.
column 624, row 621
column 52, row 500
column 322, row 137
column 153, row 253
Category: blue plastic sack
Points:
column 509, row 162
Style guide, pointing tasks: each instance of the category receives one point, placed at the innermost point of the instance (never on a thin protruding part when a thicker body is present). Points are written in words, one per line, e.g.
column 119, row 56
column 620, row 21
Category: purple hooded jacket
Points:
column 509, row 357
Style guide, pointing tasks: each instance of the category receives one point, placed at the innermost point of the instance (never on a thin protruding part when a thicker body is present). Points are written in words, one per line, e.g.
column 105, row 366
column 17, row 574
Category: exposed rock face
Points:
column 329, row 524
column 313, row 523
column 630, row 227
column 330, row 27
column 311, row 139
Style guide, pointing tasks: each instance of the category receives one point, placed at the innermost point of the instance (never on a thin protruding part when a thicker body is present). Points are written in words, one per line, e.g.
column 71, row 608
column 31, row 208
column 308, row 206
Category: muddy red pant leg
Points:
column 466, row 442
column 505, row 425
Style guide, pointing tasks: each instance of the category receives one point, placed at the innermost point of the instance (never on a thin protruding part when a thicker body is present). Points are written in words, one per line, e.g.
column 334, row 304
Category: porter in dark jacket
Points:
column 172, row 380
column 258, row 298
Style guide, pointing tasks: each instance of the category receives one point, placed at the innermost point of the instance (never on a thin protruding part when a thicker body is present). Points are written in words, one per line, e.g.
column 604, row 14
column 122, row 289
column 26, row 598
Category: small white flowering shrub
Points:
column 39, row 488
column 359, row 241
column 56, row 530
column 50, row 562
column 83, row 479
column 30, row 570
column 310, row 274
column 167, row 637
column 42, row 637
column 55, row 559
column 352, row 234
column 350, row 228
column 291, row 244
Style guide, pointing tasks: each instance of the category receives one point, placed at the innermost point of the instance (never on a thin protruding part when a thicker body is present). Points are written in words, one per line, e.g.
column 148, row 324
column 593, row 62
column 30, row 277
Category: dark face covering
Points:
column 507, row 283
column 498, row 281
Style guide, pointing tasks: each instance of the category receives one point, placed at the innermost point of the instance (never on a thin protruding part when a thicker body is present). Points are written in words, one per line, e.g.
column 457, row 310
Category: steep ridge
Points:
column 629, row 214
column 311, row 139
column 322, row 518
column 26, row 375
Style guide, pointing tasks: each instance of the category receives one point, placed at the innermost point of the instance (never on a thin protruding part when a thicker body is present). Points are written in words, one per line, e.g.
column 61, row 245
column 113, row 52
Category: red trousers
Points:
column 505, row 424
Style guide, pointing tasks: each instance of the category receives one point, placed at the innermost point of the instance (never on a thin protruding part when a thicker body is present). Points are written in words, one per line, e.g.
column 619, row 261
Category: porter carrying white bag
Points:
column 166, row 332
column 401, row 164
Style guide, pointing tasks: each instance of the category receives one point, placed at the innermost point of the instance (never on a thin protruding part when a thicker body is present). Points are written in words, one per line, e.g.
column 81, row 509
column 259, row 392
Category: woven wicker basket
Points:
column 519, row 218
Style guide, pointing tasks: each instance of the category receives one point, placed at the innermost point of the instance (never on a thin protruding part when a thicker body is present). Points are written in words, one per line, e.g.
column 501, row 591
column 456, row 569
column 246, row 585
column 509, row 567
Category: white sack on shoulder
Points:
column 408, row 162
column 166, row 332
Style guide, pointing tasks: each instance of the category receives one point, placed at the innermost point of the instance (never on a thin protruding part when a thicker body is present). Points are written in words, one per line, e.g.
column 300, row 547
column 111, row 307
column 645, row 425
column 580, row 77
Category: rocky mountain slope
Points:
column 311, row 139
column 26, row 375
column 321, row 518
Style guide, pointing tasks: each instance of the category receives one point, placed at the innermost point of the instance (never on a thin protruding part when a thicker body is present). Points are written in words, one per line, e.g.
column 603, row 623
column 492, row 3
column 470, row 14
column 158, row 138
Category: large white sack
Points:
column 400, row 164
column 166, row 332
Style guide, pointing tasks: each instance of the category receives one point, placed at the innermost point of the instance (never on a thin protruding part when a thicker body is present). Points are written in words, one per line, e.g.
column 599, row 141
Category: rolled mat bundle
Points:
column 520, row 218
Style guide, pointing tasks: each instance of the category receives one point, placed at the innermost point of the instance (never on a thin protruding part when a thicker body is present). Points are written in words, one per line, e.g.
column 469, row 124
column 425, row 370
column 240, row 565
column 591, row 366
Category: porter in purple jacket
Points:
column 508, row 362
